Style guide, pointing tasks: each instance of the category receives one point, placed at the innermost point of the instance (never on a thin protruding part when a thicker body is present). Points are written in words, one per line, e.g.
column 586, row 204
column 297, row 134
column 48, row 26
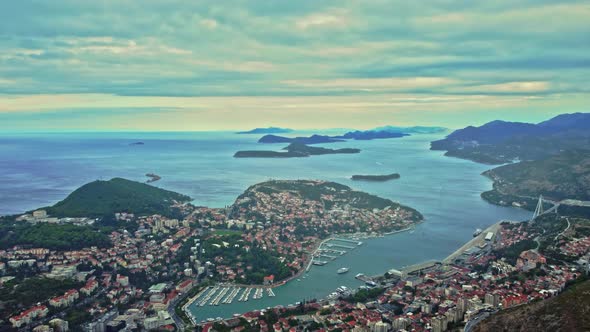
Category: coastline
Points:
column 302, row 271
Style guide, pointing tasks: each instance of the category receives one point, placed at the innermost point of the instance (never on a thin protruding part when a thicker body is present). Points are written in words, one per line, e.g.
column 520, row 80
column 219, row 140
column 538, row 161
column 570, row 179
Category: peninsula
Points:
column 500, row 142
column 376, row 178
column 294, row 150
column 564, row 176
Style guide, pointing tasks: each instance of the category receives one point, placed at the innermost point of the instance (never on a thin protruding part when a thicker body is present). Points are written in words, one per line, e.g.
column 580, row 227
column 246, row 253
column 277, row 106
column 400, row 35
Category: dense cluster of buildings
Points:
column 438, row 297
column 150, row 251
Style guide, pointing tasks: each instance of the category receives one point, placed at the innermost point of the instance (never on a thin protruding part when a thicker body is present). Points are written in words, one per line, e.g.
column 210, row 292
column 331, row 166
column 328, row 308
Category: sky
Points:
column 174, row 65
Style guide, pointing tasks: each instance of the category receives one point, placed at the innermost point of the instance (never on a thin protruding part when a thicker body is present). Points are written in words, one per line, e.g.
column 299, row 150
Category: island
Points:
column 318, row 139
column 152, row 177
column 293, row 150
column 376, row 178
column 137, row 143
column 268, row 130
column 313, row 139
column 500, row 142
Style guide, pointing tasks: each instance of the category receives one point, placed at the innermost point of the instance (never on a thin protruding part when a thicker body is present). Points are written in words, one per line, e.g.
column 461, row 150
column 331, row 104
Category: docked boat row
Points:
column 226, row 295
column 332, row 249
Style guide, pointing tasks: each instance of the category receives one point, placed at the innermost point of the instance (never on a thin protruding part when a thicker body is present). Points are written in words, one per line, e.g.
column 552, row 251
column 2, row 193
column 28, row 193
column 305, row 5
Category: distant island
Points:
column 500, row 142
column 137, row 143
column 268, row 130
column 318, row 139
column 313, row 139
column 152, row 177
column 412, row 130
column 377, row 178
column 294, row 150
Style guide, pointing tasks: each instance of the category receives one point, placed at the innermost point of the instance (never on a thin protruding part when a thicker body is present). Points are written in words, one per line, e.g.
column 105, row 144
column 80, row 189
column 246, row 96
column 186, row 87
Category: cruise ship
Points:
column 342, row 270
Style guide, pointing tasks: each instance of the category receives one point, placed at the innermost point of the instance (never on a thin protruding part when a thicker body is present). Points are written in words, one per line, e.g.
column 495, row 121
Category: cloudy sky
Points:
column 207, row 65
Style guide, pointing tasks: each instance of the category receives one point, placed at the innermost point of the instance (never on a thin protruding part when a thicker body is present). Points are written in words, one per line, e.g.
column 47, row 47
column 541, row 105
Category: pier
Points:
column 330, row 245
column 358, row 243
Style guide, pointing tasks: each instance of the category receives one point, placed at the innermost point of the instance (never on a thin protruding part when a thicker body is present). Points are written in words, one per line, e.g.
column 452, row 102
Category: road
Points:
column 565, row 230
column 474, row 321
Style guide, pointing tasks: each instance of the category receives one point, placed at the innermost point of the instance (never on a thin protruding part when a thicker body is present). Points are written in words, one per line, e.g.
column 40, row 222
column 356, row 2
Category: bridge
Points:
column 540, row 209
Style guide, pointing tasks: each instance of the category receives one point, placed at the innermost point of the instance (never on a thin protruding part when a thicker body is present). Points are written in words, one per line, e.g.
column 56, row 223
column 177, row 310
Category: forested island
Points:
column 294, row 150
column 377, row 178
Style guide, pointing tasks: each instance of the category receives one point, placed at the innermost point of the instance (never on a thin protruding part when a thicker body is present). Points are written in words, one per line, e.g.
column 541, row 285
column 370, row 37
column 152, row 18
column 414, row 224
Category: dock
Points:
column 330, row 245
column 476, row 241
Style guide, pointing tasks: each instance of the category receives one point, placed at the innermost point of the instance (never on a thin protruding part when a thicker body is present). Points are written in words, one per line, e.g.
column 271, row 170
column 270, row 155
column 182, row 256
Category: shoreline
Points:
column 308, row 266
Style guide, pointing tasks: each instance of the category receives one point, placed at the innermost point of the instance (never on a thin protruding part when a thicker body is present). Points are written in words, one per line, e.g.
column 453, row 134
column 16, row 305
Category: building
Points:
column 529, row 259
column 492, row 299
column 380, row 327
column 439, row 324
column 39, row 214
column 28, row 316
column 269, row 280
column 59, row 325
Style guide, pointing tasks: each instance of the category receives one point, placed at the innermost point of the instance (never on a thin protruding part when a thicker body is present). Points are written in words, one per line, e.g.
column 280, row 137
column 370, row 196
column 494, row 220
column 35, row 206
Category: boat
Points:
column 342, row 270
column 477, row 232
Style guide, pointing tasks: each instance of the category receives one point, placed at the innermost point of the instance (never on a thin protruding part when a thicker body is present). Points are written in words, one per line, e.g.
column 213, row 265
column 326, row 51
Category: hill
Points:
column 332, row 194
column 294, row 150
column 268, row 130
column 100, row 198
column 564, row 176
column 499, row 142
column 565, row 312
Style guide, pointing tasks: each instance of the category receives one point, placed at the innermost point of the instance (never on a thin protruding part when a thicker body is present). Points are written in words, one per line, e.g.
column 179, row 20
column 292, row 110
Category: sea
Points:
column 41, row 169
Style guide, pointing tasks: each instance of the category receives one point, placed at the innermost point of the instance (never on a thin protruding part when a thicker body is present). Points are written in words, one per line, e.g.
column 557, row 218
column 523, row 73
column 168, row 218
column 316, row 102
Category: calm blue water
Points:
column 39, row 170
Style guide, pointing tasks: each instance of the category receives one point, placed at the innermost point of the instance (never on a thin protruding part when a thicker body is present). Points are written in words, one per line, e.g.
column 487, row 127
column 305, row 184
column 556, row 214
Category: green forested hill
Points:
column 564, row 176
column 100, row 198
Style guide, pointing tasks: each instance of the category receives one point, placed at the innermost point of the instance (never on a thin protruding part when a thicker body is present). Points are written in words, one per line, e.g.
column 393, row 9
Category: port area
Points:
column 480, row 242
column 332, row 248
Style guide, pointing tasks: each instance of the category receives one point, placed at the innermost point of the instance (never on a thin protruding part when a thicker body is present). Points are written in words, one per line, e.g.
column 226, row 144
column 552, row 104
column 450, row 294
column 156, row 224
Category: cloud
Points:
column 511, row 52
column 322, row 20
column 209, row 23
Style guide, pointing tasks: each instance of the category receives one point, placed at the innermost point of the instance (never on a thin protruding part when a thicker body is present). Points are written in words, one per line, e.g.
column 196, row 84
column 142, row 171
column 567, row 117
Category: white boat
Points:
column 342, row 270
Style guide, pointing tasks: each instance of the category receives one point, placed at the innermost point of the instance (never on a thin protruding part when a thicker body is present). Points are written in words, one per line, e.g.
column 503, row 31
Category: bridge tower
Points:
column 539, row 209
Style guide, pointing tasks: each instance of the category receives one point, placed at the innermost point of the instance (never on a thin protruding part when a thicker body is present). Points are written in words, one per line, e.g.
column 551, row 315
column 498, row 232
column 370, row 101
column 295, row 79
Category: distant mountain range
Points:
column 499, row 142
column 412, row 130
column 313, row 139
column 377, row 133
column 268, row 130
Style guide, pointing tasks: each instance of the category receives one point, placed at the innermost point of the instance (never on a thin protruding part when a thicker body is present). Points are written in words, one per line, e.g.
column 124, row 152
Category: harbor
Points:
column 331, row 249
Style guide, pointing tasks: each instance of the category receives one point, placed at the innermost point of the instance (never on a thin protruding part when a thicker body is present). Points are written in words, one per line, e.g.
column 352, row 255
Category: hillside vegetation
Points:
column 564, row 176
column 100, row 198
column 566, row 312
